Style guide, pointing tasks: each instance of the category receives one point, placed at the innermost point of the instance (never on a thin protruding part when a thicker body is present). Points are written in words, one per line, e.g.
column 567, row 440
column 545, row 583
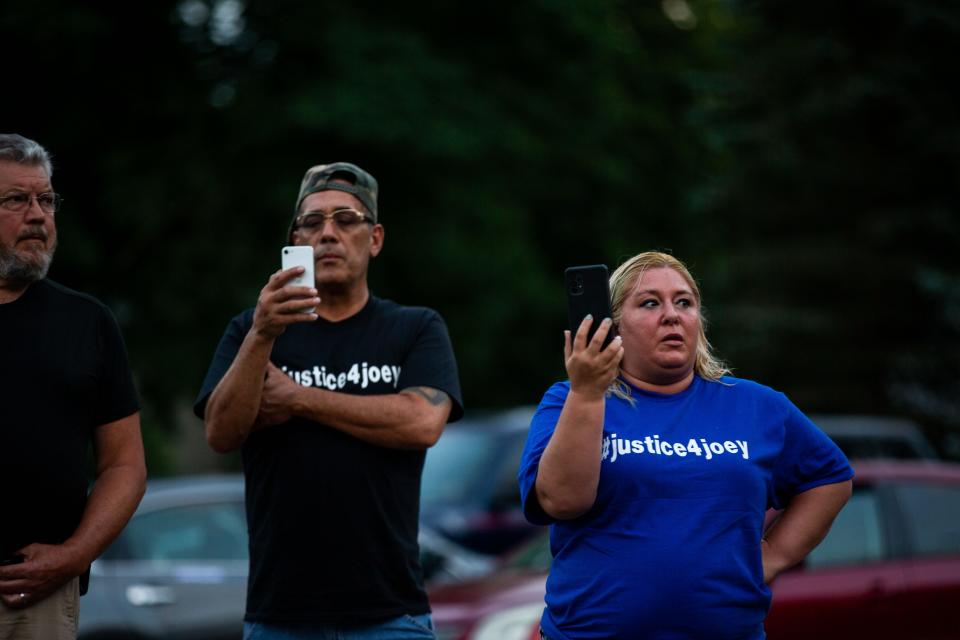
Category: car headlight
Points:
column 515, row 623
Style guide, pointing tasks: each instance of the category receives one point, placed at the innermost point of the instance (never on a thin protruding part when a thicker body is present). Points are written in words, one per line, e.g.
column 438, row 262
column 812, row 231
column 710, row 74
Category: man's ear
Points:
column 376, row 240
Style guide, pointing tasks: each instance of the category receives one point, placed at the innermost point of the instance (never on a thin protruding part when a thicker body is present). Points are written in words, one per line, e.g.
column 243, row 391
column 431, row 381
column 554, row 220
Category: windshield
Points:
column 534, row 556
column 456, row 466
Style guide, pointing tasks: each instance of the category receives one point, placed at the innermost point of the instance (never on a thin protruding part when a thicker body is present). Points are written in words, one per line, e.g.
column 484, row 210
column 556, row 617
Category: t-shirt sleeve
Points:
column 117, row 393
column 222, row 359
column 430, row 362
column 808, row 459
column 542, row 425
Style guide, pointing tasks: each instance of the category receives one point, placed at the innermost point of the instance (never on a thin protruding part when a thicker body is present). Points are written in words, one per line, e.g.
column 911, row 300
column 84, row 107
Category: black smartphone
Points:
column 16, row 558
column 588, row 292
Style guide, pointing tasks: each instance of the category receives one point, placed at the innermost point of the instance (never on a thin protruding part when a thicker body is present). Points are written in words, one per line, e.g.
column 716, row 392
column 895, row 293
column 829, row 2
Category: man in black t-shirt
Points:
column 65, row 383
column 333, row 396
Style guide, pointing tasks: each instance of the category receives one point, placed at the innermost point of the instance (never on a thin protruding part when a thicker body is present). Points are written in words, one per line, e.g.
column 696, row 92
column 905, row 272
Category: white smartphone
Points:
column 300, row 256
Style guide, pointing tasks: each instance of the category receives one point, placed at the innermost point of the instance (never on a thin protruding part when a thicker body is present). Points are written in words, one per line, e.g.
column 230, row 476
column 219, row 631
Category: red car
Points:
column 889, row 568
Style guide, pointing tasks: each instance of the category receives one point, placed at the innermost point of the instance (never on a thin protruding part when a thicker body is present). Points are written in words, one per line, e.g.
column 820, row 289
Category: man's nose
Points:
column 328, row 230
column 33, row 213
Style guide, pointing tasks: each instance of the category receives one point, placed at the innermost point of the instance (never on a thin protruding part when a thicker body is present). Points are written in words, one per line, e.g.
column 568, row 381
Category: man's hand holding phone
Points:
column 289, row 296
column 15, row 558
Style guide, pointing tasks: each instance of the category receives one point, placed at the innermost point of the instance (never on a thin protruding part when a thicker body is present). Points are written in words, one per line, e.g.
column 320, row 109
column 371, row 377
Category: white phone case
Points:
column 300, row 256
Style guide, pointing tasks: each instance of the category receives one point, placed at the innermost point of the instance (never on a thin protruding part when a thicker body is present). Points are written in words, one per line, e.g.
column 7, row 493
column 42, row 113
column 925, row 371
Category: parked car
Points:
column 890, row 566
column 470, row 492
column 504, row 605
column 179, row 568
column 888, row 569
column 444, row 561
column 862, row 436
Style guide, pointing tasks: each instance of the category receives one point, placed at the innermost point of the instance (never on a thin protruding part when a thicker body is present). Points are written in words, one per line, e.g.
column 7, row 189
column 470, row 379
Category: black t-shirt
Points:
column 333, row 520
column 64, row 372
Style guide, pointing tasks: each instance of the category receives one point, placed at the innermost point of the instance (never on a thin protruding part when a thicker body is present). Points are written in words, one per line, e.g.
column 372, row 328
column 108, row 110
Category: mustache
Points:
column 31, row 234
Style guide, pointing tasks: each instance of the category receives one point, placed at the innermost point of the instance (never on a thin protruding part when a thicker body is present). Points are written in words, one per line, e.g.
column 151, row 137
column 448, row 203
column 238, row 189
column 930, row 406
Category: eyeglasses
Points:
column 19, row 201
column 343, row 218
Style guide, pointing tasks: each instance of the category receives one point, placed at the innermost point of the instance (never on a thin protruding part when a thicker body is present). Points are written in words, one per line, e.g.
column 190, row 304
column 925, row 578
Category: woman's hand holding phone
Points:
column 591, row 366
column 592, row 350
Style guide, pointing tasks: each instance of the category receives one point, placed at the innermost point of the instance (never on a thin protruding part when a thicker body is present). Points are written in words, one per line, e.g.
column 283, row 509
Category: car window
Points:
column 196, row 532
column 877, row 447
column 507, row 492
column 456, row 466
column 534, row 556
column 932, row 517
column 856, row 535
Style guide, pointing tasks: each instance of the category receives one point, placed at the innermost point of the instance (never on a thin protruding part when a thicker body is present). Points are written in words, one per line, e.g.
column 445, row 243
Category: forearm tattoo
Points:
column 434, row 396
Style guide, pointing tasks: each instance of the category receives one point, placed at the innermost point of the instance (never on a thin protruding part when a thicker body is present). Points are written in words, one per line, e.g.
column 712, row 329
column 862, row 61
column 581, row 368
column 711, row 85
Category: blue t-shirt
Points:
column 670, row 550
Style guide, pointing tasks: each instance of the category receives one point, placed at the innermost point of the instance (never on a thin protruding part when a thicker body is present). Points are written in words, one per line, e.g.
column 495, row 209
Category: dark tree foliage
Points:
column 801, row 159
column 840, row 205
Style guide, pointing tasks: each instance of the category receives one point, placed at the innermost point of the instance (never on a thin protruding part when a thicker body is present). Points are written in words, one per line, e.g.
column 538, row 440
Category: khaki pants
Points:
column 53, row 618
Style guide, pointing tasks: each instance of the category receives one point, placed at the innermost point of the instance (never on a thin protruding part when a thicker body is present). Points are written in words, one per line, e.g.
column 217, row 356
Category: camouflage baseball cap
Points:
column 323, row 176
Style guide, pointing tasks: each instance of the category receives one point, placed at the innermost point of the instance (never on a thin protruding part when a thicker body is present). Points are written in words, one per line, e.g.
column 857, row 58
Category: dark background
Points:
column 802, row 158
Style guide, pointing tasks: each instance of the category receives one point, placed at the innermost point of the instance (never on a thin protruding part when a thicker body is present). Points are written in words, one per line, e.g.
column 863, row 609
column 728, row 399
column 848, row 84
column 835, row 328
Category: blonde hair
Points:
column 706, row 364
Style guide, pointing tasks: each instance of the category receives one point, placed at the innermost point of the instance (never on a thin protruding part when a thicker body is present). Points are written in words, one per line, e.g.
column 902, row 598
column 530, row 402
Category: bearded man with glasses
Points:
column 65, row 383
column 333, row 396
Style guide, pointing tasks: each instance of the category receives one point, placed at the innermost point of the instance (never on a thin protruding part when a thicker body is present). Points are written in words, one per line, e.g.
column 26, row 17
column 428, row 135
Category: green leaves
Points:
column 802, row 161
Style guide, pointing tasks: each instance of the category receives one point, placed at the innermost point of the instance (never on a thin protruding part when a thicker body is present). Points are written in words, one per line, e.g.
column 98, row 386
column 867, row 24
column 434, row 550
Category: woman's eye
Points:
column 648, row 303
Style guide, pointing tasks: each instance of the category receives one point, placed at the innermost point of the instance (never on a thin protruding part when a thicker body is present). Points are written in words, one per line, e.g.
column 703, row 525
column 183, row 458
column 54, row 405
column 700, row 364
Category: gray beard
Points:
column 16, row 268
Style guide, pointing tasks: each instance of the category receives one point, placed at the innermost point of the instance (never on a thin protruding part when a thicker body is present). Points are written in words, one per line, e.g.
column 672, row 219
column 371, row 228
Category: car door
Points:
column 183, row 571
column 931, row 526
column 850, row 586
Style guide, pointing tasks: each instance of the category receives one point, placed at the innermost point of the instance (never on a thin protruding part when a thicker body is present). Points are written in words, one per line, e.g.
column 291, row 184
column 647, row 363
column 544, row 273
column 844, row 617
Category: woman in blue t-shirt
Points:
column 655, row 469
